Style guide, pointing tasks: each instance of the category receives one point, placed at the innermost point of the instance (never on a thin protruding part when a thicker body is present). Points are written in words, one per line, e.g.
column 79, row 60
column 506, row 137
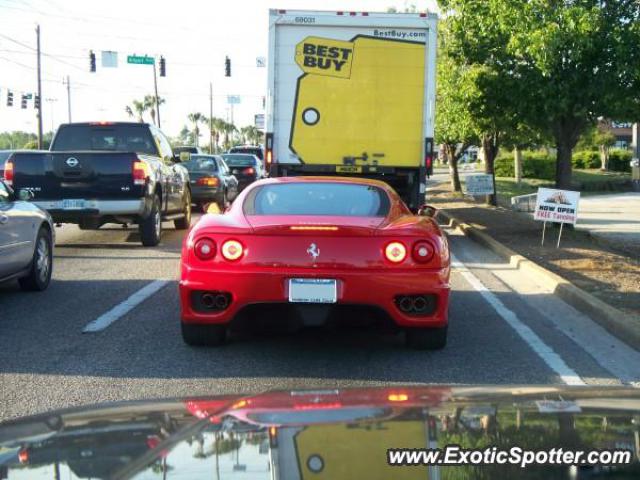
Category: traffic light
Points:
column 9, row 98
column 36, row 102
column 163, row 67
column 92, row 61
column 227, row 67
column 23, row 102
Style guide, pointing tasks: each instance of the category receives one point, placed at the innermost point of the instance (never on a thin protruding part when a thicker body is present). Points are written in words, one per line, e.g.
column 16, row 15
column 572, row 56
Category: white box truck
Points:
column 352, row 93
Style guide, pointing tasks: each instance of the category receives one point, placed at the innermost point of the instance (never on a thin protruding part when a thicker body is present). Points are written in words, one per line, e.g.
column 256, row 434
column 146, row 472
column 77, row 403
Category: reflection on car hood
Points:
column 341, row 433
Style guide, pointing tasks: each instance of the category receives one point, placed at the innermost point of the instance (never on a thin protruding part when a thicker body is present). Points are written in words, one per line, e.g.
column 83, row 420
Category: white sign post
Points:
column 479, row 184
column 558, row 206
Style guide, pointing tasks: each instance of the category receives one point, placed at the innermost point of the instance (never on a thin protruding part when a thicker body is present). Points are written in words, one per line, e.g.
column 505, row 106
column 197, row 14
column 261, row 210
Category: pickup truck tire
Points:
column 426, row 338
column 41, row 266
column 151, row 227
column 184, row 222
column 198, row 335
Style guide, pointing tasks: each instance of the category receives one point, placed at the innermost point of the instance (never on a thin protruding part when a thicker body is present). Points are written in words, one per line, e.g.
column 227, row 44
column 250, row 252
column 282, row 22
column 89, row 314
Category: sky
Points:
column 193, row 36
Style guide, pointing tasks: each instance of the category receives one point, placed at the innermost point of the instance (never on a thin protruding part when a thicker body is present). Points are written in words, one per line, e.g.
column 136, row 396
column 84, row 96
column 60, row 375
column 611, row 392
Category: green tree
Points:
column 454, row 125
column 565, row 63
column 196, row 119
column 250, row 134
column 137, row 110
column 149, row 102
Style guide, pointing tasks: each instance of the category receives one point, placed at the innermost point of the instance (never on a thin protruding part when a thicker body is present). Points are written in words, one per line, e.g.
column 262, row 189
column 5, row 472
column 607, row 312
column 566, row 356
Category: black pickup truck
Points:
column 104, row 172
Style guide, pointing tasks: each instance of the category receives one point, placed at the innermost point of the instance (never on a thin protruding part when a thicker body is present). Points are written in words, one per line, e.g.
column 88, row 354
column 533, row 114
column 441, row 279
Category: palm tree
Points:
column 229, row 129
column 138, row 110
column 196, row 118
column 150, row 104
column 251, row 134
column 218, row 128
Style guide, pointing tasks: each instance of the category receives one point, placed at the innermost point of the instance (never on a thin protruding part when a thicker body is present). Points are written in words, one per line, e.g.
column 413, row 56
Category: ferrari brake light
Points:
column 140, row 172
column 208, row 181
column 314, row 228
column 422, row 252
column 249, row 171
column 205, row 249
column 395, row 252
column 8, row 172
column 232, row 250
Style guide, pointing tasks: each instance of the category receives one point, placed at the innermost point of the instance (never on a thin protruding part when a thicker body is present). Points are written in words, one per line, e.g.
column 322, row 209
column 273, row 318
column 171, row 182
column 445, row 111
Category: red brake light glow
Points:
column 422, row 252
column 23, row 456
column 205, row 249
column 208, row 181
column 232, row 250
column 140, row 172
column 249, row 171
column 8, row 172
column 395, row 252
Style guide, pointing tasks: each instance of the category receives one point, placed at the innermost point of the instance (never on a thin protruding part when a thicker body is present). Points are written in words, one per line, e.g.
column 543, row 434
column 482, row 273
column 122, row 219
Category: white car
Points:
column 26, row 240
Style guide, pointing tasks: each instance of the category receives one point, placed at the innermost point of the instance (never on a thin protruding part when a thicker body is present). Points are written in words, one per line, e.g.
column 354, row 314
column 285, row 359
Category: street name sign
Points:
column 479, row 184
column 559, row 206
column 137, row 60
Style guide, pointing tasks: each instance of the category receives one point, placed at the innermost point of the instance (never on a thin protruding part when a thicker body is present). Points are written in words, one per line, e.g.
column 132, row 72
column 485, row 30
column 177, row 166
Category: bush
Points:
column 586, row 159
column 534, row 165
column 619, row 160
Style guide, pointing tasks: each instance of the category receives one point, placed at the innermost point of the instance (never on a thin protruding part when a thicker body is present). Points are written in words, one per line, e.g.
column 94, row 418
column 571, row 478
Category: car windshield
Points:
column 240, row 160
column 197, row 163
column 321, row 199
column 122, row 138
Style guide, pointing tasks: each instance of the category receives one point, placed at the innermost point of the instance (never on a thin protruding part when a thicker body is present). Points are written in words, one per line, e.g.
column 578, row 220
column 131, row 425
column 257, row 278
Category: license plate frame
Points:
column 73, row 204
column 313, row 290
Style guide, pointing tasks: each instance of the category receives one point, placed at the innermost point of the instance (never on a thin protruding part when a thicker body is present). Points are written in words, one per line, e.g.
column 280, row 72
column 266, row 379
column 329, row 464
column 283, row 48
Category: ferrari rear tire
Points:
column 426, row 338
column 203, row 335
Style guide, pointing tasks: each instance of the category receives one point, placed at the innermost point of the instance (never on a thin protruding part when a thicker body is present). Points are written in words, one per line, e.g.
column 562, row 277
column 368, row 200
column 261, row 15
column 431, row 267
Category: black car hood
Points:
column 346, row 431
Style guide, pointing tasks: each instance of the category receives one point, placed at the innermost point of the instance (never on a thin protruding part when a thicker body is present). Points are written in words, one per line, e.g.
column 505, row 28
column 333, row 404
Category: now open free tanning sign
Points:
column 559, row 206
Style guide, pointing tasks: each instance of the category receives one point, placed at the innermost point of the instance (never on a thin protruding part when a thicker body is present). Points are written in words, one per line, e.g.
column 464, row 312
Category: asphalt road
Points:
column 504, row 329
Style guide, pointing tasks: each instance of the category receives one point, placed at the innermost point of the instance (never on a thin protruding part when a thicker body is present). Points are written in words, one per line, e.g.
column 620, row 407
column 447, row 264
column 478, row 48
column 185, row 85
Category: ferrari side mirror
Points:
column 427, row 211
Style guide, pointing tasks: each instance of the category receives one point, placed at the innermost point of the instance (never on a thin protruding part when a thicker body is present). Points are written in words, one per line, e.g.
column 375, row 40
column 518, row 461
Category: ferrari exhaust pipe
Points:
column 221, row 301
column 209, row 300
column 406, row 304
column 420, row 304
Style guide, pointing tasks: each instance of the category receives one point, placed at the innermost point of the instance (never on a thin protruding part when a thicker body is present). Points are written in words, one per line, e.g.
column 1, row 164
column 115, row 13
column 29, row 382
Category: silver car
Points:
column 26, row 240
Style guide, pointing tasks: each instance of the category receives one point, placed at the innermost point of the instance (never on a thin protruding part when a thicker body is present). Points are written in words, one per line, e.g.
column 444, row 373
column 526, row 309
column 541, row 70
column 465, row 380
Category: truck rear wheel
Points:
column 184, row 222
column 151, row 227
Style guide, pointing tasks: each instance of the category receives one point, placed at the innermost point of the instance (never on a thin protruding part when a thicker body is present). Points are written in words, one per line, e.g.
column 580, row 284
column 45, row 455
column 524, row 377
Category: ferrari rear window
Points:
column 311, row 198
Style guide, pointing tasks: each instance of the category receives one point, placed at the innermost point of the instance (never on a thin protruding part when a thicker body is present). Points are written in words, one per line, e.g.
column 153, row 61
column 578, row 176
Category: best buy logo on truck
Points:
column 359, row 102
column 322, row 56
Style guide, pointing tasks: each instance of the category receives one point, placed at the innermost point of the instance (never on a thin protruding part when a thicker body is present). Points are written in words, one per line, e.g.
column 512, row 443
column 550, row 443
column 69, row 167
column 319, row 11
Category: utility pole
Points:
column 210, row 117
column 39, row 90
column 155, row 86
column 68, row 84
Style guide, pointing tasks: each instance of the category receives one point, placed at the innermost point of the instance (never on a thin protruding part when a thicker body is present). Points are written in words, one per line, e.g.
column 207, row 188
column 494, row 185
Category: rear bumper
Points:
column 94, row 209
column 205, row 194
column 374, row 289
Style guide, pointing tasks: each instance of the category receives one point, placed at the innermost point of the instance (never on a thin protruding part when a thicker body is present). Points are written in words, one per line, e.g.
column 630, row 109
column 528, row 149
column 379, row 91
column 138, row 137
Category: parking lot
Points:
column 504, row 329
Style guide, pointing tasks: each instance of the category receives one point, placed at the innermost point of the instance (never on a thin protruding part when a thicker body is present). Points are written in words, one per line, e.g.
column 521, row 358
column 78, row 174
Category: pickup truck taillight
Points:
column 140, row 172
column 8, row 172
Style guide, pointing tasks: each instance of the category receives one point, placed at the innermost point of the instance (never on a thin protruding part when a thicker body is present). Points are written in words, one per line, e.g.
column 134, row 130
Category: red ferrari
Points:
column 315, row 251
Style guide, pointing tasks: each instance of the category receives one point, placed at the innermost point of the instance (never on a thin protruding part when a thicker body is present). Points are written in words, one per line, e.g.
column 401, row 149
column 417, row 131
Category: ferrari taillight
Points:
column 422, row 252
column 205, row 249
column 395, row 252
column 140, row 172
column 232, row 250
column 8, row 172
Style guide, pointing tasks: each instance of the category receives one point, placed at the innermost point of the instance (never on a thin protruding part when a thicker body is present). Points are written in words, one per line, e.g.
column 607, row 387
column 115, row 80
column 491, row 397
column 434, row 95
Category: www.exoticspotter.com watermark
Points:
column 452, row 455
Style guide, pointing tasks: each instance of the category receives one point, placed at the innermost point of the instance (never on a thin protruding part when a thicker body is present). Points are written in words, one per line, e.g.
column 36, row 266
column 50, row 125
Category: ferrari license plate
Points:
column 312, row 290
column 73, row 204
column 348, row 169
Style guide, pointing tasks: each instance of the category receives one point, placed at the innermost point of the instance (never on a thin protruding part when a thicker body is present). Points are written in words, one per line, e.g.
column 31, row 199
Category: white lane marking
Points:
column 120, row 310
column 544, row 351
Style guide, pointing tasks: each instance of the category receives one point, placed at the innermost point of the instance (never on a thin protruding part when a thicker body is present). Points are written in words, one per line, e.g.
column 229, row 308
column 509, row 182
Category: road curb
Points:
column 618, row 323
